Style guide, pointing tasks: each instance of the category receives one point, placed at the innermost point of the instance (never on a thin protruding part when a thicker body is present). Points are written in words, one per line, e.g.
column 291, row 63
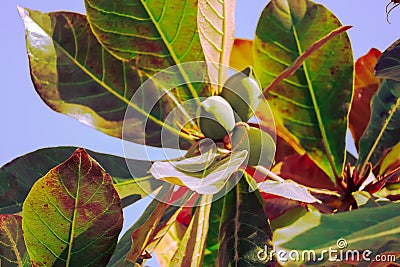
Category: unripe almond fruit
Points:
column 216, row 118
column 243, row 92
column 259, row 144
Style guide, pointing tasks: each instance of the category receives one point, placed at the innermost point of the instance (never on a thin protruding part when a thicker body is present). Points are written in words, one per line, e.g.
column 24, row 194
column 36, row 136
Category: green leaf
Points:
column 16, row 179
column 245, row 232
column 72, row 215
column 76, row 76
column 382, row 130
column 155, row 34
column 12, row 246
column 313, row 103
column 208, row 181
column 388, row 64
column 391, row 161
column 191, row 248
column 364, row 229
column 212, row 243
column 216, row 22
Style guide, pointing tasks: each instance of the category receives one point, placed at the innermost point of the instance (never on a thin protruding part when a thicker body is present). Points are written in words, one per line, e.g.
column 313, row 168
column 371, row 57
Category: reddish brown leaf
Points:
column 276, row 206
column 283, row 149
column 365, row 86
column 303, row 170
column 72, row 215
column 146, row 225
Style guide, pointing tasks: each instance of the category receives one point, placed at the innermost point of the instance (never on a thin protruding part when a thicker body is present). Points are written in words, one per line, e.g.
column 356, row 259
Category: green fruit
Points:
column 259, row 144
column 243, row 92
column 216, row 118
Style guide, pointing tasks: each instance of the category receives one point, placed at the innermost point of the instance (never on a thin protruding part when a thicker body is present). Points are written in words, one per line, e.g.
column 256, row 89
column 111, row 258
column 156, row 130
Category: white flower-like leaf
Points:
column 208, row 181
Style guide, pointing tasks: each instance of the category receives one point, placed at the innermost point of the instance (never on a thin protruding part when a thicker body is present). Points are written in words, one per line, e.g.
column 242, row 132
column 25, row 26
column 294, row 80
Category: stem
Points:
column 299, row 61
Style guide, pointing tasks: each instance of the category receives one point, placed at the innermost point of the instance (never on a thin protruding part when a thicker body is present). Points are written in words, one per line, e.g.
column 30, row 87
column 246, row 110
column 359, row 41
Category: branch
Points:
column 299, row 61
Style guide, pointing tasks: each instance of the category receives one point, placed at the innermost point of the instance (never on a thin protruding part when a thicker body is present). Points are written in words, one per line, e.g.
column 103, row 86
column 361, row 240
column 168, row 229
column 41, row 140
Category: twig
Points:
column 299, row 61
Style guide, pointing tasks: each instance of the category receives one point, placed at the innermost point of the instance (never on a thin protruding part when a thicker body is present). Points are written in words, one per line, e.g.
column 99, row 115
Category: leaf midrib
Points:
column 321, row 126
column 75, row 214
column 13, row 244
column 171, row 50
column 391, row 112
column 129, row 103
column 224, row 42
column 374, row 235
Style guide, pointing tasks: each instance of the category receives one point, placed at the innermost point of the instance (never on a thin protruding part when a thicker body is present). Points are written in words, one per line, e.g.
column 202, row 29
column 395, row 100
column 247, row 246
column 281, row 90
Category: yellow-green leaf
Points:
column 191, row 248
column 312, row 104
column 72, row 215
column 16, row 179
column 242, row 54
column 155, row 34
column 374, row 229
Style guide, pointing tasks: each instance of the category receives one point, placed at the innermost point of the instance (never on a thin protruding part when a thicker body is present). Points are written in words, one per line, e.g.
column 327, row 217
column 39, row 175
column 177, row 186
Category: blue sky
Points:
column 28, row 124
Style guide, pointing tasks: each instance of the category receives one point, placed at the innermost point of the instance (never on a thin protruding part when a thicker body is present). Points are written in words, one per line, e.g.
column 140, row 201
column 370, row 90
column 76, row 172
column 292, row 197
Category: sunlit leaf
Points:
column 244, row 232
column 364, row 229
column 216, row 22
column 365, row 86
column 391, row 160
column 12, row 246
column 72, row 215
column 16, row 179
column 313, row 103
column 76, row 76
column 147, row 232
column 144, row 227
column 288, row 189
column 366, row 200
column 208, row 181
column 241, row 54
column 152, row 215
column 154, row 34
column 191, row 248
column 170, row 216
column 169, row 244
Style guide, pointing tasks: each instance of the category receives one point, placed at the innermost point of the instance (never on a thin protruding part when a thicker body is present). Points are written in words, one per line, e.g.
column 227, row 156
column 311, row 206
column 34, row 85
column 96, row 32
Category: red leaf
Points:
column 303, row 170
column 365, row 86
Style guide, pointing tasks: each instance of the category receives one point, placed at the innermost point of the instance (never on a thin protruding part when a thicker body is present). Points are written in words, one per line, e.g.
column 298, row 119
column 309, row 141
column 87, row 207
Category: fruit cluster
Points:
column 228, row 114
